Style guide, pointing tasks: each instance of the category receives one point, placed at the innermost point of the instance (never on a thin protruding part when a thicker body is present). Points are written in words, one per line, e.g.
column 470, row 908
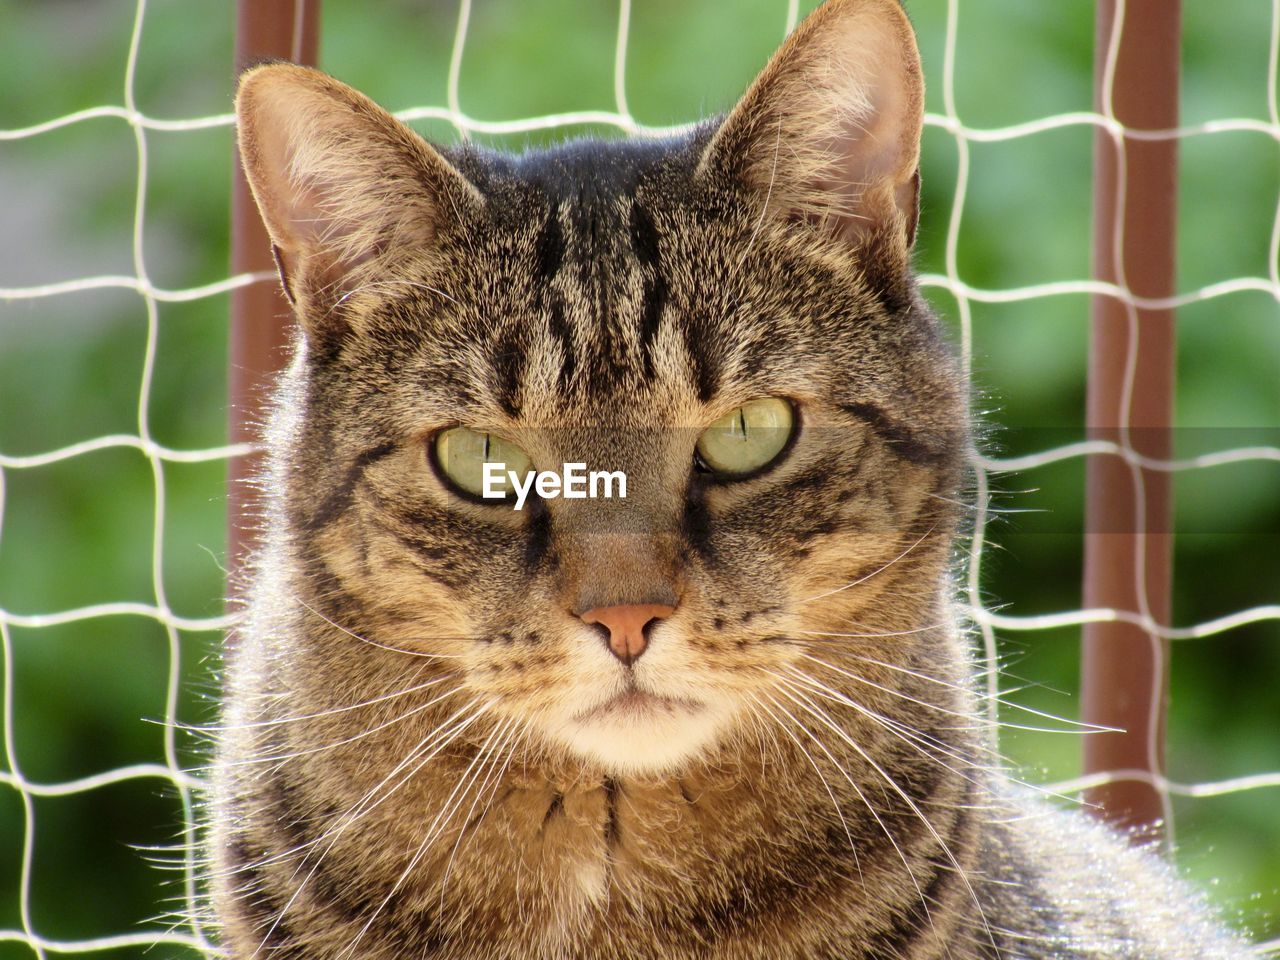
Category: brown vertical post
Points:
column 260, row 316
column 1125, row 669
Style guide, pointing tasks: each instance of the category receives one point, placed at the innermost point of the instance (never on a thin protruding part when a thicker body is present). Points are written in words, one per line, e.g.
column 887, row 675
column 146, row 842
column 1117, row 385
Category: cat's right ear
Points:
column 829, row 133
column 341, row 184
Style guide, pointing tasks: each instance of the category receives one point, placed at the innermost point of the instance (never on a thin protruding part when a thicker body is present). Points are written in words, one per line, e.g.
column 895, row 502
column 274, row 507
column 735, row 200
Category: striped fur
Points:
column 409, row 765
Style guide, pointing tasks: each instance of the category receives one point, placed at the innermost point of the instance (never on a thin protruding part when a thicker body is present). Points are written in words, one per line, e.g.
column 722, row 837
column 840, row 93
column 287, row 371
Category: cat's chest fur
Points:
column 705, row 865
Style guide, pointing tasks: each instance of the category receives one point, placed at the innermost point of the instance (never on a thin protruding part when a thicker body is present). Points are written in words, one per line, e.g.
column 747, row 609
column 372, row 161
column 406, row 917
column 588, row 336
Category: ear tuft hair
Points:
column 341, row 184
column 830, row 130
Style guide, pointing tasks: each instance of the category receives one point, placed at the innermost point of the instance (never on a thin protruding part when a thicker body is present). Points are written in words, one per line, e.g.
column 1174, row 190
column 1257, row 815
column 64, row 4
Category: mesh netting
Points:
column 173, row 774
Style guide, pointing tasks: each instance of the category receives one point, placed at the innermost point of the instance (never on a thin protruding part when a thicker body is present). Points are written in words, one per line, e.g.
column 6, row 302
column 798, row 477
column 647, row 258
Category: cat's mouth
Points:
column 637, row 732
column 634, row 704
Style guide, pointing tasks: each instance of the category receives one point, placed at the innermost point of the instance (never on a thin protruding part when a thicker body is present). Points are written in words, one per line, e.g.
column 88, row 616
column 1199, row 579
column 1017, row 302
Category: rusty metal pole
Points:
column 260, row 316
column 1125, row 668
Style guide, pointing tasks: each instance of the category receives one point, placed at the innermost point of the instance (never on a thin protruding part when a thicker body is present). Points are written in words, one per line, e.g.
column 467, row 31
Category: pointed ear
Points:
column 341, row 184
column 830, row 130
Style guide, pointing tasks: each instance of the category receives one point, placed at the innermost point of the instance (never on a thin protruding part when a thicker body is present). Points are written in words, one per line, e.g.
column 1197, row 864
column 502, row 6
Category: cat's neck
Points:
column 768, row 830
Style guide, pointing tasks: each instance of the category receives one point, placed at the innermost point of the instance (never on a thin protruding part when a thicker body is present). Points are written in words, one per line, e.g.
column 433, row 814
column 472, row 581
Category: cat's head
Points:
column 727, row 319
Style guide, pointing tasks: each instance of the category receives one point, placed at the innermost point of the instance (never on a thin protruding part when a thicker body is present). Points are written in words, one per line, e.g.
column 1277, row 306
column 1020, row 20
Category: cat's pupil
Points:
column 748, row 439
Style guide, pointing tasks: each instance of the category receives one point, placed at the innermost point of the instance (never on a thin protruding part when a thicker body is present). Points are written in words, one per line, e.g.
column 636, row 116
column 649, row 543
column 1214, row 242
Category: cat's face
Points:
column 607, row 304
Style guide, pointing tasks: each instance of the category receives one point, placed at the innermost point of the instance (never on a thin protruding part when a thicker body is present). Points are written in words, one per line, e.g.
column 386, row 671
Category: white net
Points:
column 37, row 920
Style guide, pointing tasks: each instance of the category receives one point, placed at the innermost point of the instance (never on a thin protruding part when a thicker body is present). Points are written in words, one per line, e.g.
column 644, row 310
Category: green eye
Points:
column 748, row 439
column 461, row 455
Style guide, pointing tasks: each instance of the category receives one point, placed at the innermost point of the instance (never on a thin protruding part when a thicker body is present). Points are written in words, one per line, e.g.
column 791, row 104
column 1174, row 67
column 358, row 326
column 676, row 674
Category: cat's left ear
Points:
column 830, row 131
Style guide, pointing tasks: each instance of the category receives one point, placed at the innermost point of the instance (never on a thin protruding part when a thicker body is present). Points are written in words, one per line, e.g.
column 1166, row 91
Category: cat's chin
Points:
column 642, row 734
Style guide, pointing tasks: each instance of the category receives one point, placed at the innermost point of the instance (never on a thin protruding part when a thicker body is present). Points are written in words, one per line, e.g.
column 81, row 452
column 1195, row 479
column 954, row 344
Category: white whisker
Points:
column 893, row 841
column 381, row 646
column 505, row 748
column 435, row 742
column 257, row 724
column 879, row 570
column 279, row 757
column 436, row 827
column 853, row 846
column 1084, row 727
column 877, row 636
column 377, row 284
column 806, row 704
column 916, row 739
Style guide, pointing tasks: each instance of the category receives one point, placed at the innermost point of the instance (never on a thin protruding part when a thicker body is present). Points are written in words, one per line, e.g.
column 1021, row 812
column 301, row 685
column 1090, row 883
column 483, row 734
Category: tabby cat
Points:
column 729, row 715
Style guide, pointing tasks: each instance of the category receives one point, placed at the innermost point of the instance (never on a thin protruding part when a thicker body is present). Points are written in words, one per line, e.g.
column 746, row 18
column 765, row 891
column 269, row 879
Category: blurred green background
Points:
column 81, row 531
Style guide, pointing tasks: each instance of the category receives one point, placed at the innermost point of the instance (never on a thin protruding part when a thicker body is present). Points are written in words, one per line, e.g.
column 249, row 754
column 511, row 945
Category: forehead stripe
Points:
column 549, row 252
column 548, row 259
column 508, row 360
column 644, row 239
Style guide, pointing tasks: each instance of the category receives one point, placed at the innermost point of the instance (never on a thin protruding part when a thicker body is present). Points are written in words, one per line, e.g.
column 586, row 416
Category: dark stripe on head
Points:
column 644, row 238
column 833, row 472
column 703, row 355
column 549, row 254
column 428, row 562
column 901, row 441
column 327, row 596
column 337, row 502
column 562, row 332
column 507, row 362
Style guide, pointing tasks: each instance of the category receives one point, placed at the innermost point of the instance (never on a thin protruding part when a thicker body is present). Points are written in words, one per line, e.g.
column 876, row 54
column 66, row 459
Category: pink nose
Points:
column 627, row 624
